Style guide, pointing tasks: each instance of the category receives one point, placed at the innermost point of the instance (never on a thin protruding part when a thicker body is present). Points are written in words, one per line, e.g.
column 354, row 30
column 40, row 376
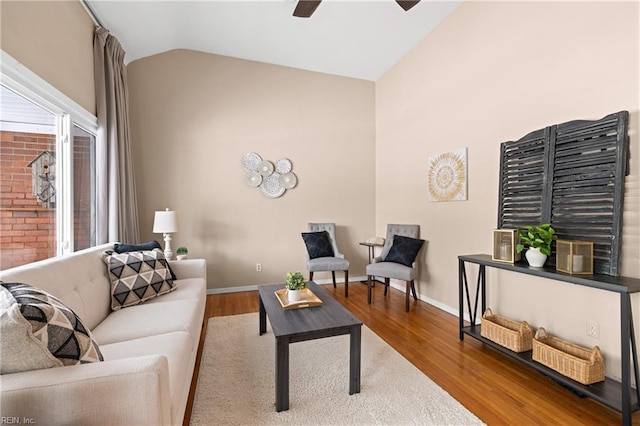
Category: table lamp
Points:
column 165, row 223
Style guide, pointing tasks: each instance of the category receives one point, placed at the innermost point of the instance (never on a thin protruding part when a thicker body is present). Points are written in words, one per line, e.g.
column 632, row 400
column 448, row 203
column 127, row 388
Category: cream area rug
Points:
column 236, row 385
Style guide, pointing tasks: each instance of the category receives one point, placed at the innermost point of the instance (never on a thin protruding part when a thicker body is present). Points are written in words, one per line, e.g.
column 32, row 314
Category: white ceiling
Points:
column 358, row 38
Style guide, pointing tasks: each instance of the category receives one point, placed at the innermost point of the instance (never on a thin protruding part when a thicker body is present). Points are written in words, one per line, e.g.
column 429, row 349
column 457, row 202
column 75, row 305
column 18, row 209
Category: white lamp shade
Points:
column 165, row 222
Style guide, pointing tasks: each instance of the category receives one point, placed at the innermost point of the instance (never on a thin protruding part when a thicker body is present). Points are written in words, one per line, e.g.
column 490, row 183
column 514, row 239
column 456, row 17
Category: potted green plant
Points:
column 294, row 285
column 181, row 253
column 538, row 240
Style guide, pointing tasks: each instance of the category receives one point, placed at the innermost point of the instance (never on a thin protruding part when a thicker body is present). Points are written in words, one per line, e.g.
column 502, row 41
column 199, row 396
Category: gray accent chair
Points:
column 388, row 270
column 333, row 264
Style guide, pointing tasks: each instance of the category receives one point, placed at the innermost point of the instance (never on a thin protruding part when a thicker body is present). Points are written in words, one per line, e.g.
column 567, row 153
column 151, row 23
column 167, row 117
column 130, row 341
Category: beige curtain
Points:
column 116, row 193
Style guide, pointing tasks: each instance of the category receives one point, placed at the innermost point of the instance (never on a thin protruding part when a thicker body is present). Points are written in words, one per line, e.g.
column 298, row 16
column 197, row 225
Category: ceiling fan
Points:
column 305, row 8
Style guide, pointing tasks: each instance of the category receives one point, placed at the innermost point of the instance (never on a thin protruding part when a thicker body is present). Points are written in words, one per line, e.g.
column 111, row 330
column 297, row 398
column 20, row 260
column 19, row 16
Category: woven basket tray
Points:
column 580, row 364
column 513, row 335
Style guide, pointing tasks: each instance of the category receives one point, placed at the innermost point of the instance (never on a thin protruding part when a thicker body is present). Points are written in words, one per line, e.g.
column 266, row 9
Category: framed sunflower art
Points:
column 447, row 180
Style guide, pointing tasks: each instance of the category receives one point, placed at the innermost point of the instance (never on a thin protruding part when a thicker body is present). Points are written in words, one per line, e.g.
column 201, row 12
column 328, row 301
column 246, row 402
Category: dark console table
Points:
column 619, row 396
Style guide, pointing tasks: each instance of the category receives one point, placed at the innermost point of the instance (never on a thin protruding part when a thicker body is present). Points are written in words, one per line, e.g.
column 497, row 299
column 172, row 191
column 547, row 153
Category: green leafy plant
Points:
column 182, row 250
column 541, row 236
column 295, row 281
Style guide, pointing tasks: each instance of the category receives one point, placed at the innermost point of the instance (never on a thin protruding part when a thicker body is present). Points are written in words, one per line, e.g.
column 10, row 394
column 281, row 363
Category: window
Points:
column 84, row 188
column 47, row 170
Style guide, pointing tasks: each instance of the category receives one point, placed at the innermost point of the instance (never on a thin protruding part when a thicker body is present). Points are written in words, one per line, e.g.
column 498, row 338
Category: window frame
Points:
column 26, row 83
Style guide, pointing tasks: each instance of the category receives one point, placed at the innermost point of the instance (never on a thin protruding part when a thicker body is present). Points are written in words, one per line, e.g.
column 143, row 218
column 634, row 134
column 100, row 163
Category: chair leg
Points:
column 386, row 285
column 310, row 275
column 346, row 283
column 413, row 290
column 408, row 291
column 369, row 289
column 333, row 275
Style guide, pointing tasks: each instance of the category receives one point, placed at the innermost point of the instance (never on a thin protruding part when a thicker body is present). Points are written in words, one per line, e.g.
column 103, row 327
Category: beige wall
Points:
column 194, row 115
column 492, row 72
column 54, row 39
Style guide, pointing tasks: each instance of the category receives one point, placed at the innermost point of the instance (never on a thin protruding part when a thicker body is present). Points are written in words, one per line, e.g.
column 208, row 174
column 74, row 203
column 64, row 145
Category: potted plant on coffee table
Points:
column 181, row 253
column 537, row 240
column 294, row 285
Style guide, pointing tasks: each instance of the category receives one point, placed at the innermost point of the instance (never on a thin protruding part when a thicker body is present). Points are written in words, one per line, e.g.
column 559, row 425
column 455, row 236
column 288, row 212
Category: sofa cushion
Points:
column 318, row 244
column 404, row 250
column 39, row 331
column 176, row 347
column 149, row 245
column 150, row 319
column 137, row 276
column 189, row 288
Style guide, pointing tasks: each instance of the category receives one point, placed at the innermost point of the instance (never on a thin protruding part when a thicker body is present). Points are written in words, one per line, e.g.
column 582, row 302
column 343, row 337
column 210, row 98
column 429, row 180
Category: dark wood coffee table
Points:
column 298, row 325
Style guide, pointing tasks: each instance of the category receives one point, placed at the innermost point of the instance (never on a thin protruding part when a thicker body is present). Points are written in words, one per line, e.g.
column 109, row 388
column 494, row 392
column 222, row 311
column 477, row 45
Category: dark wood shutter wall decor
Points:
column 572, row 176
column 522, row 180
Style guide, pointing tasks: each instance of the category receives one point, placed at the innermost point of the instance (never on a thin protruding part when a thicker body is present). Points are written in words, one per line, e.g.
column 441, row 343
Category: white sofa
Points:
column 149, row 349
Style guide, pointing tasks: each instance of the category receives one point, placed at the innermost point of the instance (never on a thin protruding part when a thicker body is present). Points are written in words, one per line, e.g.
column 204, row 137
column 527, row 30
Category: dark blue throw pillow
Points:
column 148, row 246
column 404, row 250
column 318, row 244
column 126, row 248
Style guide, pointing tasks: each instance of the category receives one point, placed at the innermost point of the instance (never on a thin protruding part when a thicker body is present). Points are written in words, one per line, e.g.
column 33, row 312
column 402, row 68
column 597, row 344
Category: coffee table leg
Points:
column 282, row 374
column 354, row 360
column 263, row 317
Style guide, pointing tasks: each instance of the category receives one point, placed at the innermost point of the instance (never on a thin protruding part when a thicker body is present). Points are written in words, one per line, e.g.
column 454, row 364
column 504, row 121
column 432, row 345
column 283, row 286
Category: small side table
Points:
column 372, row 247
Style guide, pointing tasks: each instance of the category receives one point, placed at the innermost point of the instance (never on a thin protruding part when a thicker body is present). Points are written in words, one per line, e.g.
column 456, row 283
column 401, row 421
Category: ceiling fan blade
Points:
column 407, row 4
column 305, row 8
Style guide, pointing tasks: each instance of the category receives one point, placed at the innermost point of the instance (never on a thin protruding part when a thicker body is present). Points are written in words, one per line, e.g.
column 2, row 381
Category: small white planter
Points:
column 295, row 295
column 181, row 257
column 535, row 258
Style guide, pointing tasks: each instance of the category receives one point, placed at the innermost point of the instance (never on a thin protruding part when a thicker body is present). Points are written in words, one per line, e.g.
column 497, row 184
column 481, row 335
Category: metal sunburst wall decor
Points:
column 447, row 179
column 272, row 180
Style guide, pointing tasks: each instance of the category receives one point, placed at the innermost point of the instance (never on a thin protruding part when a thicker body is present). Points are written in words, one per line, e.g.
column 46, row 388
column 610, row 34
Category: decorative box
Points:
column 504, row 245
column 574, row 257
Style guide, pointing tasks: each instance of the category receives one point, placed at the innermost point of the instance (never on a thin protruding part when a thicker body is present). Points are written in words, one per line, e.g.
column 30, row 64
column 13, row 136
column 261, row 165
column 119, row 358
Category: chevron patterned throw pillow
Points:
column 39, row 331
column 137, row 276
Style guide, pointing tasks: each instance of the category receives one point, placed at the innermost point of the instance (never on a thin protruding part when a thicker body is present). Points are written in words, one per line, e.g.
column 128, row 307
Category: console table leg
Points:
column 634, row 352
column 625, row 348
column 483, row 273
column 461, row 278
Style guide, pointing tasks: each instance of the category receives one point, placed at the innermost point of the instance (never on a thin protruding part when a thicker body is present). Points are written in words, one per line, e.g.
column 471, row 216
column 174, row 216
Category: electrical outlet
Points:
column 593, row 329
column 258, row 267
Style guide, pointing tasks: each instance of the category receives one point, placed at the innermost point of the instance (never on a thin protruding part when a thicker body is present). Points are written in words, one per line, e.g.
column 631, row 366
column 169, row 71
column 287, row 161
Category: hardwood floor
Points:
column 497, row 389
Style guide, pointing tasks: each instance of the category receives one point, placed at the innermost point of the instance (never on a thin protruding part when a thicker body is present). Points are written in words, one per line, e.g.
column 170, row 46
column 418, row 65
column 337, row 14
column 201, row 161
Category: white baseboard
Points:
column 255, row 287
column 232, row 289
column 396, row 285
column 433, row 302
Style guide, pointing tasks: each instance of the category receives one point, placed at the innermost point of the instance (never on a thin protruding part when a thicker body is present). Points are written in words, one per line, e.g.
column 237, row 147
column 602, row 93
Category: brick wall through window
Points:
column 27, row 229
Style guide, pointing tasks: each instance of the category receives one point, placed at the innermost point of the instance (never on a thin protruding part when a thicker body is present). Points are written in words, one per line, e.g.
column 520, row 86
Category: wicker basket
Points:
column 580, row 364
column 513, row 335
